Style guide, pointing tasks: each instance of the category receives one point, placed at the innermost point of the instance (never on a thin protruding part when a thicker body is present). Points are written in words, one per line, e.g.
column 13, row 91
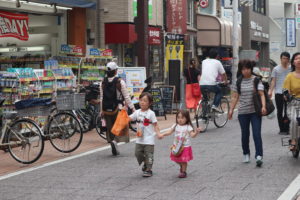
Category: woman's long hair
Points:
column 293, row 59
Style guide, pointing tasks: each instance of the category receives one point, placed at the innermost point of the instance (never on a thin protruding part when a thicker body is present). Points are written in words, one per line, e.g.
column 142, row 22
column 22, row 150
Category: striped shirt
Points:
column 279, row 73
column 119, row 96
column 246, row 105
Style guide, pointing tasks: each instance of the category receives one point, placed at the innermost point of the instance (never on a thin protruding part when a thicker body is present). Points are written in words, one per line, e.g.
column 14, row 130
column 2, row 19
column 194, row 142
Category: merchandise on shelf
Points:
column 65, row 79
column 93, row 69
column 8, row 84
column 68, row 61
column 47, row 82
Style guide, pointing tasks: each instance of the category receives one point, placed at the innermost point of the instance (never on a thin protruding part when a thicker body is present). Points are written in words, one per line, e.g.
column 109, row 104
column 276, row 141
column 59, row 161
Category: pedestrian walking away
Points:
column 278, row 76
column 113, row 93
column 243, row 93
column 292, row 85
column 192, row 75
column 181, row 151
column 211, row 68
column 147, row 128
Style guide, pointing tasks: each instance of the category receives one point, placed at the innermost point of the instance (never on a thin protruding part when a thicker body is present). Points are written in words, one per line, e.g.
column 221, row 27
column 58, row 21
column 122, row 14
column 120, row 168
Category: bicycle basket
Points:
column 35, row 111
column 70, row 101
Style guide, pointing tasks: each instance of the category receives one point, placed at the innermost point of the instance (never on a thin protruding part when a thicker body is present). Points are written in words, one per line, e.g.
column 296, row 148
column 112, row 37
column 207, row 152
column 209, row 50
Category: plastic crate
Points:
column 35, row 111
column 70, row 101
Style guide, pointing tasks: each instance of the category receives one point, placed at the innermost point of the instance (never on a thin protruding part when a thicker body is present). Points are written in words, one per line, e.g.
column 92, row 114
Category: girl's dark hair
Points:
column 192, row 61
column 186, row 114
column 148, row 95
column 293, row 59
column 249, row 64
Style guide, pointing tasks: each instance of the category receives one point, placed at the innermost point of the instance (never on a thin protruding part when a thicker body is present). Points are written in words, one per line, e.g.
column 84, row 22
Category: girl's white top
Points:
column 182, row 131
column 145, row 123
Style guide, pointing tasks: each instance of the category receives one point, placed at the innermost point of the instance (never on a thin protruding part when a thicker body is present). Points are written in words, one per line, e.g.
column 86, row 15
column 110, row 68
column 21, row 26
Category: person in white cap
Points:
column 113, row 94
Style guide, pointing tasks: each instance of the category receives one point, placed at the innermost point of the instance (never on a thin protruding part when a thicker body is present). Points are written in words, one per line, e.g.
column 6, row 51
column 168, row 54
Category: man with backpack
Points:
column 113, row 93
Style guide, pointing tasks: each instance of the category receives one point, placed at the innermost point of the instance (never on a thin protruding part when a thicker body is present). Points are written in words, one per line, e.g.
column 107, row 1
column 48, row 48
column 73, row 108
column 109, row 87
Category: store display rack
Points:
column 93, row 69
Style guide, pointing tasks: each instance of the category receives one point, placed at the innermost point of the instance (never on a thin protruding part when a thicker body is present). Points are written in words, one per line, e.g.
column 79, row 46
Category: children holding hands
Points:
column 182, row 150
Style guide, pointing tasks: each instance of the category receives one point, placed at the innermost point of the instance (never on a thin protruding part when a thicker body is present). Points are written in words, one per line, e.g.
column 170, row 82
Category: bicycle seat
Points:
column 2, row 102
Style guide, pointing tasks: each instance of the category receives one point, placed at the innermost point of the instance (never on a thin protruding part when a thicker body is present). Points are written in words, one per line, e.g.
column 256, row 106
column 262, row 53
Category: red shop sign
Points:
column 176, row 16
column 154, row 36
column 14, row 25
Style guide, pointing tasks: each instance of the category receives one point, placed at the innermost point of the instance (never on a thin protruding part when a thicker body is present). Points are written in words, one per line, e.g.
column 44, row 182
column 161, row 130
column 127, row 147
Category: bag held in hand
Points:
column 120, row 124
column 177, row 149
column 195, row 87
column 257, row 100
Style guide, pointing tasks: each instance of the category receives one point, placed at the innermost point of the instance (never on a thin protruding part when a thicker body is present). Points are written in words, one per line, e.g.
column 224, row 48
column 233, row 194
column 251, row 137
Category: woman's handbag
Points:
column 121, row 123
column 257, row 100
column 195, row 87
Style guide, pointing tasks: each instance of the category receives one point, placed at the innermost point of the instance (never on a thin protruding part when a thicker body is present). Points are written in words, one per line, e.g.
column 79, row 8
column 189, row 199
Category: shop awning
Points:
column 69, row 3
column 214, row 31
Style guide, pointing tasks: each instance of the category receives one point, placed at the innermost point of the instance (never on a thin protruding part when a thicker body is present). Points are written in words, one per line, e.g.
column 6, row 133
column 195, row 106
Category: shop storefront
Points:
column 125, row 49
column 256, row 32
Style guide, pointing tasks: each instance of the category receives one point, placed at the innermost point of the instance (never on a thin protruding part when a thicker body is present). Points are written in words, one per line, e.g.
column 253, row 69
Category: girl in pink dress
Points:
column 183, row 130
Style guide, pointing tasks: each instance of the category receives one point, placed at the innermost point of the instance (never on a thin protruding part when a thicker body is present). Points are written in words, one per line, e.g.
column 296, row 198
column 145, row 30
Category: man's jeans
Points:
column 215, row 89
column 255, row 120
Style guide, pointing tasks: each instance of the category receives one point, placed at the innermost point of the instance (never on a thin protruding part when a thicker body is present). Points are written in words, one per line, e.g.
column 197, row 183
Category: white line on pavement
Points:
column 63, row 160
column 292, row 190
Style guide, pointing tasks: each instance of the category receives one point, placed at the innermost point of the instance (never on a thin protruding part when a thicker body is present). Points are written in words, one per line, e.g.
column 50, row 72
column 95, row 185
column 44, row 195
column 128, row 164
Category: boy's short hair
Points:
column 285, row 54
column 148, row 95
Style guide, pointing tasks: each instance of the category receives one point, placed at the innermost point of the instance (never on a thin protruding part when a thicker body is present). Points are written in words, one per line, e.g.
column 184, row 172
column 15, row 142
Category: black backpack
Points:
column 110, row 100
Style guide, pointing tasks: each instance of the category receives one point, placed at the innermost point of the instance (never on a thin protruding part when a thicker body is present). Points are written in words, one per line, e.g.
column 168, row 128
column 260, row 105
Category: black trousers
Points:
column 281, row 110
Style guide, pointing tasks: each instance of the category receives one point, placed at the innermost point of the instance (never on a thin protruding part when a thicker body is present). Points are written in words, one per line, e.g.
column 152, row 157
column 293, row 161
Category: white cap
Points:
column 111, row 66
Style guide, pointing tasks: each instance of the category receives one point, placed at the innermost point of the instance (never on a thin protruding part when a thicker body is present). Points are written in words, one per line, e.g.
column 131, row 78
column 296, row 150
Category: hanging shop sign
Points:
column 14, row 25
column 176, row 16
column 290, row 32
column 203, row 3
column 100, row 53
column 71, row 49
column 154, row 36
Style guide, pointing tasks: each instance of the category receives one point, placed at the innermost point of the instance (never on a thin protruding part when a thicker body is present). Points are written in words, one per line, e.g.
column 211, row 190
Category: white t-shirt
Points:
column 182, row 131
column 211, row 68
column 143, row 118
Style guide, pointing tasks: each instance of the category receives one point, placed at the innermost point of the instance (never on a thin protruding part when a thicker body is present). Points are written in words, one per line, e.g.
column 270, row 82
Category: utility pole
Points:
column 235, row 39
column 141, row 28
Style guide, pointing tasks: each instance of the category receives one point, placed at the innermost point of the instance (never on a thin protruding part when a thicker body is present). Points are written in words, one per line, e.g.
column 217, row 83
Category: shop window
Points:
column 190, row 13
column 259, row 6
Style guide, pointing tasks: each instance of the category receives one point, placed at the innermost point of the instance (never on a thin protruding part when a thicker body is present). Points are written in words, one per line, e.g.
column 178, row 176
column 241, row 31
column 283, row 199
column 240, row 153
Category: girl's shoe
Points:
column 182, row 175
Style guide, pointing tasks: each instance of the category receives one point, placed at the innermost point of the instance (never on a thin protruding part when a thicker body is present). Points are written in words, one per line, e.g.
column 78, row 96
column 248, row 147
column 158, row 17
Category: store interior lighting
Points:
column 24, row 49
column 36, row 4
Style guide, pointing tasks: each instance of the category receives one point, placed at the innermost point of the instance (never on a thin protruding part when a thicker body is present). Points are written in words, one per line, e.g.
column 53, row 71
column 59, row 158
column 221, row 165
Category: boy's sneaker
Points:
column 114, row 148
column 259, row 161
column 147, row 173
column 144, row 168
column 246, row 158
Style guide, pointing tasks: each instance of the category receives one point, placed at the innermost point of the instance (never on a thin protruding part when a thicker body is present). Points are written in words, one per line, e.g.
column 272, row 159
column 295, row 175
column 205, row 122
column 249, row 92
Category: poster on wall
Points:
column 134, row 78
column 290, row 32
column 14, row 25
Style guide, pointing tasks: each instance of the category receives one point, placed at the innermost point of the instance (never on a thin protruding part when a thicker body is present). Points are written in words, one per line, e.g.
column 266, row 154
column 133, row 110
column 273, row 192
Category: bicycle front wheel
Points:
column 201, row 116
column 25, row 141
column 101, row 130
column 221, row 117
column 65, row 132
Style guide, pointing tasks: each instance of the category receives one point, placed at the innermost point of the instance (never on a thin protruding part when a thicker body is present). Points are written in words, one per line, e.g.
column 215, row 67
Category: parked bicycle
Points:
column 205, row 113
column 22, row 137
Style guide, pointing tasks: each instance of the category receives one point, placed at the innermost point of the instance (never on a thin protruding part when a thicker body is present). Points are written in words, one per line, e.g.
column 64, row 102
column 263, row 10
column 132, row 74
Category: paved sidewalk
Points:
column 91, row 140
column 215, row 173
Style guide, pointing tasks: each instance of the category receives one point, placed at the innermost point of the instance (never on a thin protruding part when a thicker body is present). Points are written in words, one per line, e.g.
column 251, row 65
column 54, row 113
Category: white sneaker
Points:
column 246, row 158
column 216, row 109
column 259, row 161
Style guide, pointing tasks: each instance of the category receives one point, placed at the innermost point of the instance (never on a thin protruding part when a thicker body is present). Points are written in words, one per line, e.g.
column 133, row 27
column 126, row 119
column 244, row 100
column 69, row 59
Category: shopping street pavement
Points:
column 215, row 173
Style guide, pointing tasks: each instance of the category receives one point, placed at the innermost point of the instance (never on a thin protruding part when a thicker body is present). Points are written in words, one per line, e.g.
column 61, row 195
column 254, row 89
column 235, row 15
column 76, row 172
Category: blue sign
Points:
column 95, row 52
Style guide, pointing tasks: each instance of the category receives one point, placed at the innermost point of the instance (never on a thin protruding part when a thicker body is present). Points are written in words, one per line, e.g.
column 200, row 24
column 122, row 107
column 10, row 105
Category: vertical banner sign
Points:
column 176, row 16
column 14, row 25
column 290, row 32
column 174, row 48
